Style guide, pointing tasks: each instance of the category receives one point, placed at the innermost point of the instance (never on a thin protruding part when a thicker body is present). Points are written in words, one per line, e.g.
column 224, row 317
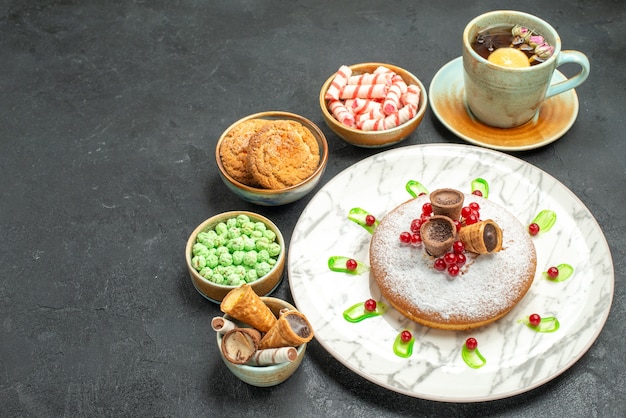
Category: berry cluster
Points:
column 413, row 236
column 453, row 260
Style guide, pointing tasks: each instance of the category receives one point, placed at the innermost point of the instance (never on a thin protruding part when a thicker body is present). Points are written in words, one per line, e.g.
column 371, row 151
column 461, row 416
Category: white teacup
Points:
column 508, row 97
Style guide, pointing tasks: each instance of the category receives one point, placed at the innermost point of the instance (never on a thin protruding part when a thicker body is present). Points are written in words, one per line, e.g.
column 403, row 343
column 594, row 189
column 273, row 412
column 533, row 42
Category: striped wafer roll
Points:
column 381, row 69
column 271, row 356
column 376, row 113
column 340, row 80
column 363, row 105
column 363, row 91
column 372, row 125
column 341, row 113
column 397, row 79
column 412, row 95
column 368, row 78
column 398, row 118
column 222, row 325
column 391, row 104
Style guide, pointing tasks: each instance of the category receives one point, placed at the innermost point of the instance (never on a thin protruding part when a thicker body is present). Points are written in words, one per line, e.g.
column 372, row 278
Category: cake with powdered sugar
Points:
column 483, row 289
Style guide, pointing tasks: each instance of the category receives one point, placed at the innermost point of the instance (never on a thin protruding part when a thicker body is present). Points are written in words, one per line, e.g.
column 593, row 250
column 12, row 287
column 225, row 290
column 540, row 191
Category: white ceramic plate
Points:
column 447, row 101
column 518, row 358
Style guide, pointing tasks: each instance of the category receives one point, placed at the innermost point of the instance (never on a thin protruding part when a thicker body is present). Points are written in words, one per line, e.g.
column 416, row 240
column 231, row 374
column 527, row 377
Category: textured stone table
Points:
column 110, row 112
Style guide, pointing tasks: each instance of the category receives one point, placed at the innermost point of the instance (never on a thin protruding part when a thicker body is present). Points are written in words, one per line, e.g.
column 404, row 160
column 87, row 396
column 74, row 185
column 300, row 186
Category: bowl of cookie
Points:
column 272, row 158
column 373, row 105
column 261, row 340
column 235, row 248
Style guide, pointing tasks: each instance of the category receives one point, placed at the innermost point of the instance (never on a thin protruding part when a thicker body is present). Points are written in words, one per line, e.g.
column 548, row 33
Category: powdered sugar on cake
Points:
column 488, row 285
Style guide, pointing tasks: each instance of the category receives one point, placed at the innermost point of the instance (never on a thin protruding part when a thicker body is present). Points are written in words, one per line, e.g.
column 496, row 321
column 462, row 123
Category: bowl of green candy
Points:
column 233, row 248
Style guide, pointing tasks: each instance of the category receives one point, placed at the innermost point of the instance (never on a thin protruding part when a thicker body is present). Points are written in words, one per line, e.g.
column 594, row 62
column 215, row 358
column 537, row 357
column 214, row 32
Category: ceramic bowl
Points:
column 262, row 286
column 374, row 139
column 265, row 375
column 275, row 197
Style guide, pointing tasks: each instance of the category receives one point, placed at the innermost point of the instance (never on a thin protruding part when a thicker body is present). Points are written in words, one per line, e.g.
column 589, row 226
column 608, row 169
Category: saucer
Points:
column 556, row 116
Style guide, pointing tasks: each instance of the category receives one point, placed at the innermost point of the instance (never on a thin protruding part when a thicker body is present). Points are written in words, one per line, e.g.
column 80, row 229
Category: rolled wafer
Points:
column 271, row 356
column 363, row 91
column 340, row 80
column 291, row 330
column 482, row 237
column 239, row 344
column 246, row 306
column 222, row 325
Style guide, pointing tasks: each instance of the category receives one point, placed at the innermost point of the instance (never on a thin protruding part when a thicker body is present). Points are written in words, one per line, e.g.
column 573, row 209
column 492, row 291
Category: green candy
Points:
column 226, row 259
column 242, row 219
column 270, row 235
column 251, row 275
column 238, row 257
column 198, row 262
column 200, row 249
column 262, row 268
column 250, row 258
column 236, row 244
column 206, row 272
column 273, row 249
column 212, row 260
column 234, row 232
column 263, row 256
column 262, row 244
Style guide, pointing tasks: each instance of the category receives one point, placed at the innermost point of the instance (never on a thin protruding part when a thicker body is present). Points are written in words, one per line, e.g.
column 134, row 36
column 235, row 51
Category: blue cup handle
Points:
column 566, row 57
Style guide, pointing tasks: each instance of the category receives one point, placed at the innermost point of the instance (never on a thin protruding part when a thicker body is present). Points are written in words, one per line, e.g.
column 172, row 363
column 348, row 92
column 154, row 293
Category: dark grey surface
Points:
column 109, row 115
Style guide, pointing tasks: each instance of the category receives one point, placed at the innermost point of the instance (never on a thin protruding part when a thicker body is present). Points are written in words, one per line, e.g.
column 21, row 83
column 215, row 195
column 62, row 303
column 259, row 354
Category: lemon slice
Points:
column 509, row 57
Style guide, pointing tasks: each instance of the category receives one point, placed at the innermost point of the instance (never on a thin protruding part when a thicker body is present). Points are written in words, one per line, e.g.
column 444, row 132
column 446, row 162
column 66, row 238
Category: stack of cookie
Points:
column 269, row 154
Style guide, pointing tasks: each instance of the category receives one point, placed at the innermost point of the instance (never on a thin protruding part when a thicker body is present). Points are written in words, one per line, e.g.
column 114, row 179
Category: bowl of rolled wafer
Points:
column 372, row 104
column 271, row 158
column 262, row 340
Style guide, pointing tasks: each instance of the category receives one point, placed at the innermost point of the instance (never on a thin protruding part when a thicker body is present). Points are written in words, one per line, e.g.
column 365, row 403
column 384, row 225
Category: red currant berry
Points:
column 351, row 264
column 427, row 208
column 406, row 336
column 534, row 319
column 370, row 220
column 533, row 229
column 449, row 258
column 416, row 224
column 424, row 218
column 370, row 305
column 471, row 219
column 471, row 343
column 453, row 270
column 416, row 239
column 458, row 225
column 458, row 247
column 553, row 272
column 460, row 259
column 477, row 193
column 440, row 265
column 476, row 214
column 422, row 194
column 466, row 211
column 405, row 237
column 474, row 206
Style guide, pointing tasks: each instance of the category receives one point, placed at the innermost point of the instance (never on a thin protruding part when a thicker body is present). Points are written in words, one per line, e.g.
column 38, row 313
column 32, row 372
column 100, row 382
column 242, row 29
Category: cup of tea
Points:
column 509, row 58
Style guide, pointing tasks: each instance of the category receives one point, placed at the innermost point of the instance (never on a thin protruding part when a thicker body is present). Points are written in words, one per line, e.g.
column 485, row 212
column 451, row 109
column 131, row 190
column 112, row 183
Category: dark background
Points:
column 109, row 116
